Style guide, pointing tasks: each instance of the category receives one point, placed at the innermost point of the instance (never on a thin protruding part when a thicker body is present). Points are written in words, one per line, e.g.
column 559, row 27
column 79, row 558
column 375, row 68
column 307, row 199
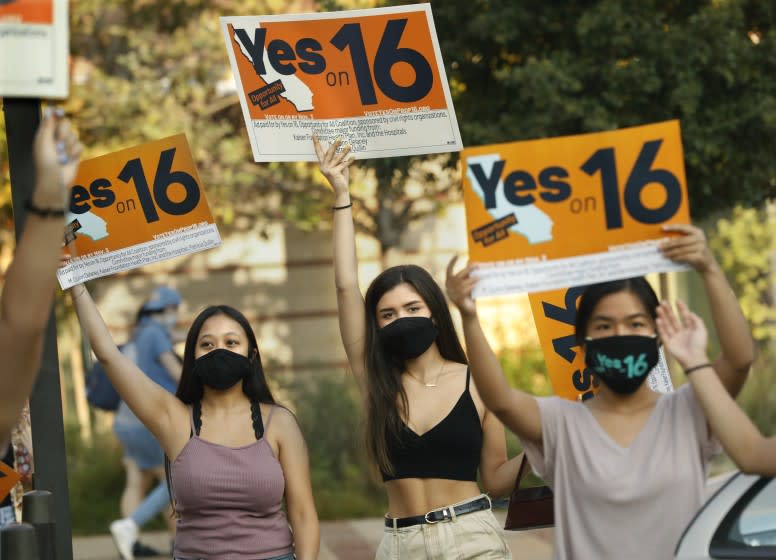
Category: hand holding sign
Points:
column 374, row 77
column 57, row 153
column 136, row 206
column 459, row 286
column 335, row 165
column 690, row 247
column 528, row 203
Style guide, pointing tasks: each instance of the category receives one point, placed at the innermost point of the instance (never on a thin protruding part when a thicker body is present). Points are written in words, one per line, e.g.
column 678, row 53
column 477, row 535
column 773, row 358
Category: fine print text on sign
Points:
column 33, row 48
column 373, row 77
column 134, row 207
column 574, row 210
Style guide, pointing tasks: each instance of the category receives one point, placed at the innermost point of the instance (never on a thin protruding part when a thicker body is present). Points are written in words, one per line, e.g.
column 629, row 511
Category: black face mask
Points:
column 221, row 369
column 408, row 337
column 622, row 362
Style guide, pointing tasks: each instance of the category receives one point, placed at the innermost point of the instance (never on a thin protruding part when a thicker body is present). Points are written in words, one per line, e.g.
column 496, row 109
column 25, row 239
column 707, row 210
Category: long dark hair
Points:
column 594, row 293
column 191, row 388
column 386, row 399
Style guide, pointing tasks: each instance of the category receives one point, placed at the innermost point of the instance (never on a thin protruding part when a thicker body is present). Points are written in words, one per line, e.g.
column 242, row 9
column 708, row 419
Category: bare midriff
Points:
column 416, row 496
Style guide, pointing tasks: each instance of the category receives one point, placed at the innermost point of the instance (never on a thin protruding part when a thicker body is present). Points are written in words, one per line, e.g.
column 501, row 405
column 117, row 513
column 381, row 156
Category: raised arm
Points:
column 157, row 409
column 686, row 338
column 517, row 410
column 350, row 302
column 30, row 279
column 736, row 343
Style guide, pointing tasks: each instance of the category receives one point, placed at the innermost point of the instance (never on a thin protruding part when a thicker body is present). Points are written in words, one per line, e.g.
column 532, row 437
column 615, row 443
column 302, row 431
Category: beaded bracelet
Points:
column 693, row 368
column 44, row 212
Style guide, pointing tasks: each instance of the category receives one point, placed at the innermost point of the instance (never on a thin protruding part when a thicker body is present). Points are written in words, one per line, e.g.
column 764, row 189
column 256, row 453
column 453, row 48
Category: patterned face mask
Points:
column 622, row 363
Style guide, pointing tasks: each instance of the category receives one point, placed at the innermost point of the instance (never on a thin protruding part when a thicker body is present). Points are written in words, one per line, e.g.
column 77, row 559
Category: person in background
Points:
column 151, row 348
column 686, row 338
column 28, row 291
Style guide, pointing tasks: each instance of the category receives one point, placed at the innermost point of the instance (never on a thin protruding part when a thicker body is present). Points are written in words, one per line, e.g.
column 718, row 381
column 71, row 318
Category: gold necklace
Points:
column 434, row 384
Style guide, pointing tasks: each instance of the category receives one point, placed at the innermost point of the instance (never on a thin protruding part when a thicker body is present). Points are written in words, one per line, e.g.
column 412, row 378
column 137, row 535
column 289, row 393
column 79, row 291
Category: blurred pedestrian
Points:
column 151, row 348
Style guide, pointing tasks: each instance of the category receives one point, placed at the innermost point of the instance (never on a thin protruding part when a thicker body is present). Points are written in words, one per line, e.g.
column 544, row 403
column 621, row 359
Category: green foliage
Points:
column 526, row 370
column 535, row 69
column 745, row 243
column 757, row 397
column 330, row 415
column 95, row 478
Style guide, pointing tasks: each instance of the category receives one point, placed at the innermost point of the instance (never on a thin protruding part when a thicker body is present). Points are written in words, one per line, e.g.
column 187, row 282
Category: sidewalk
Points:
column 355, row 539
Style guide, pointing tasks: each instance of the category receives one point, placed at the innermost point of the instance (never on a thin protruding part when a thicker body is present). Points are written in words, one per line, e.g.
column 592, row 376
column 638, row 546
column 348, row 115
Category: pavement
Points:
column 354, row 539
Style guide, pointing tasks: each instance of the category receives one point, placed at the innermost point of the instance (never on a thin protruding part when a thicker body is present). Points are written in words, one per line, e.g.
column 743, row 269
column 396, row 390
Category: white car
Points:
column 738, row 521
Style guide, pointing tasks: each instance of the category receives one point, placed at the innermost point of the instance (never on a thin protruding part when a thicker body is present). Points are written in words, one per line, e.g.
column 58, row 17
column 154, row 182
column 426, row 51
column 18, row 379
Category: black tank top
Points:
column 450, row 450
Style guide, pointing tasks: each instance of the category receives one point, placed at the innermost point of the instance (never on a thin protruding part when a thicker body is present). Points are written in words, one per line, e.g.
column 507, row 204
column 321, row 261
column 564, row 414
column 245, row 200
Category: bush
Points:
column 95, row 481
column 331, row 417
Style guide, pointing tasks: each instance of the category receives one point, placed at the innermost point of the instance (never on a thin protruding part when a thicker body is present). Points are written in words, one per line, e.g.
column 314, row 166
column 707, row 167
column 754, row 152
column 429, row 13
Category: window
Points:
column 749, row 528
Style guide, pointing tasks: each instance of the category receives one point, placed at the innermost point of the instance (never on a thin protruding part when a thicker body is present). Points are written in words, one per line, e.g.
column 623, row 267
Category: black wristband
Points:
column 348, row 205
column 44, row 212
column 688, row 371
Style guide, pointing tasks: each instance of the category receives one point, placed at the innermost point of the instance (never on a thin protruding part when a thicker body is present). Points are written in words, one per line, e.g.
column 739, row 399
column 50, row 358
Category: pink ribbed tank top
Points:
column 228, row 501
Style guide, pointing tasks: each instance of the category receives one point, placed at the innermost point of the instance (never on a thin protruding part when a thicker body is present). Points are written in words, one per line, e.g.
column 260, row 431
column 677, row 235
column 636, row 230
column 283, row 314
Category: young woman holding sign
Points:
column 28, row 292
column 428, row 430
column 627, row 467
column 686, row 339
column 234, row 454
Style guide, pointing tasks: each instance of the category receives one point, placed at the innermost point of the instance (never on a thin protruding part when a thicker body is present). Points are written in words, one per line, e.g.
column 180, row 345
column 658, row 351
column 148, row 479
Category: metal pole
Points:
column 22, row 117
column 18, row 542
column 36, row 510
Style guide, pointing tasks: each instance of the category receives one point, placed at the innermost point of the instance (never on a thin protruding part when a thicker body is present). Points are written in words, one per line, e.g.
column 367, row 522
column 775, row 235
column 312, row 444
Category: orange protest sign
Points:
column 8, row 479
column 28, row 11
column 34, row 48
column 136, row 206
column 374, row 77
column 568, row 211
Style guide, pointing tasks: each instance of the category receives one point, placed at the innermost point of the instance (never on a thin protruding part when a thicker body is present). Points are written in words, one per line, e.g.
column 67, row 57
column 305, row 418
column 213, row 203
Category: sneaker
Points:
column 124, row 532
column 142, row 550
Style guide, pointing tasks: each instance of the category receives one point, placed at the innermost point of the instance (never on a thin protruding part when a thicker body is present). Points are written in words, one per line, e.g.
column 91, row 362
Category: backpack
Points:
column 99, row 390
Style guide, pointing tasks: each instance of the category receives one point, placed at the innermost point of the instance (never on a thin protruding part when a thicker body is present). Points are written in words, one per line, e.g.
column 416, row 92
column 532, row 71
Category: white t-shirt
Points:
column 624, row 503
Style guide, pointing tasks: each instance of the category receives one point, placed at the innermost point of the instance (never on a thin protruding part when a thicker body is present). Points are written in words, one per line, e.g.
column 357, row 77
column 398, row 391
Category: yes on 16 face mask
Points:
column 622, row 362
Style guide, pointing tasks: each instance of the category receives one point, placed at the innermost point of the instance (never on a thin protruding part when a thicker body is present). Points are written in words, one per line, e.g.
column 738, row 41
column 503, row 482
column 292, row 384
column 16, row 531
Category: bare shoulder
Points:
column 282, row 421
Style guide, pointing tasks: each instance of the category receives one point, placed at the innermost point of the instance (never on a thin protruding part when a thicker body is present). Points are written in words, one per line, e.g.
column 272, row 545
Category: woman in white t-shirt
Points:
column 627, row 467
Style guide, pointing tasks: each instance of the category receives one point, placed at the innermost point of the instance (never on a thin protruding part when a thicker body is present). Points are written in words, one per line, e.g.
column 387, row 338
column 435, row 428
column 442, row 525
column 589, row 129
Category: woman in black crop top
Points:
column 427, row 428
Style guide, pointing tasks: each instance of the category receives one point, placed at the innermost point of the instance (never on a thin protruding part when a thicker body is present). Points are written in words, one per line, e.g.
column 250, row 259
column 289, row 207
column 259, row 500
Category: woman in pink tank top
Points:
column 233, row 455
column 627, row 467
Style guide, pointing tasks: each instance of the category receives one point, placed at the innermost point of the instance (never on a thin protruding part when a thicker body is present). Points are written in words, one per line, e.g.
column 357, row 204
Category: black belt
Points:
column 437, row 515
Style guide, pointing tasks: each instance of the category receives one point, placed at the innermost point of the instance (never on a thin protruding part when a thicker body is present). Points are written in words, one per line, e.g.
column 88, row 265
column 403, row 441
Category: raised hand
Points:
column 57, row 153
column 335, row 164
column 459, row 286
column 685, row 336
column 690, row 248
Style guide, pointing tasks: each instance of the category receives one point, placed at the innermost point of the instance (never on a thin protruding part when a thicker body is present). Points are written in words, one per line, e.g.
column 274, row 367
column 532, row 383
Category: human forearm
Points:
column 736, row 343
column 307, row 535
column 31, row 278
column 735, row 431
column 501, row 481
column 485, row 367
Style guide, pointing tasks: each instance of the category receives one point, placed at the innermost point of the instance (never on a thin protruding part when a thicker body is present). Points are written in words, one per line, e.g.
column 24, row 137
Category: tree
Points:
column 534, row 69
column 746, row 245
